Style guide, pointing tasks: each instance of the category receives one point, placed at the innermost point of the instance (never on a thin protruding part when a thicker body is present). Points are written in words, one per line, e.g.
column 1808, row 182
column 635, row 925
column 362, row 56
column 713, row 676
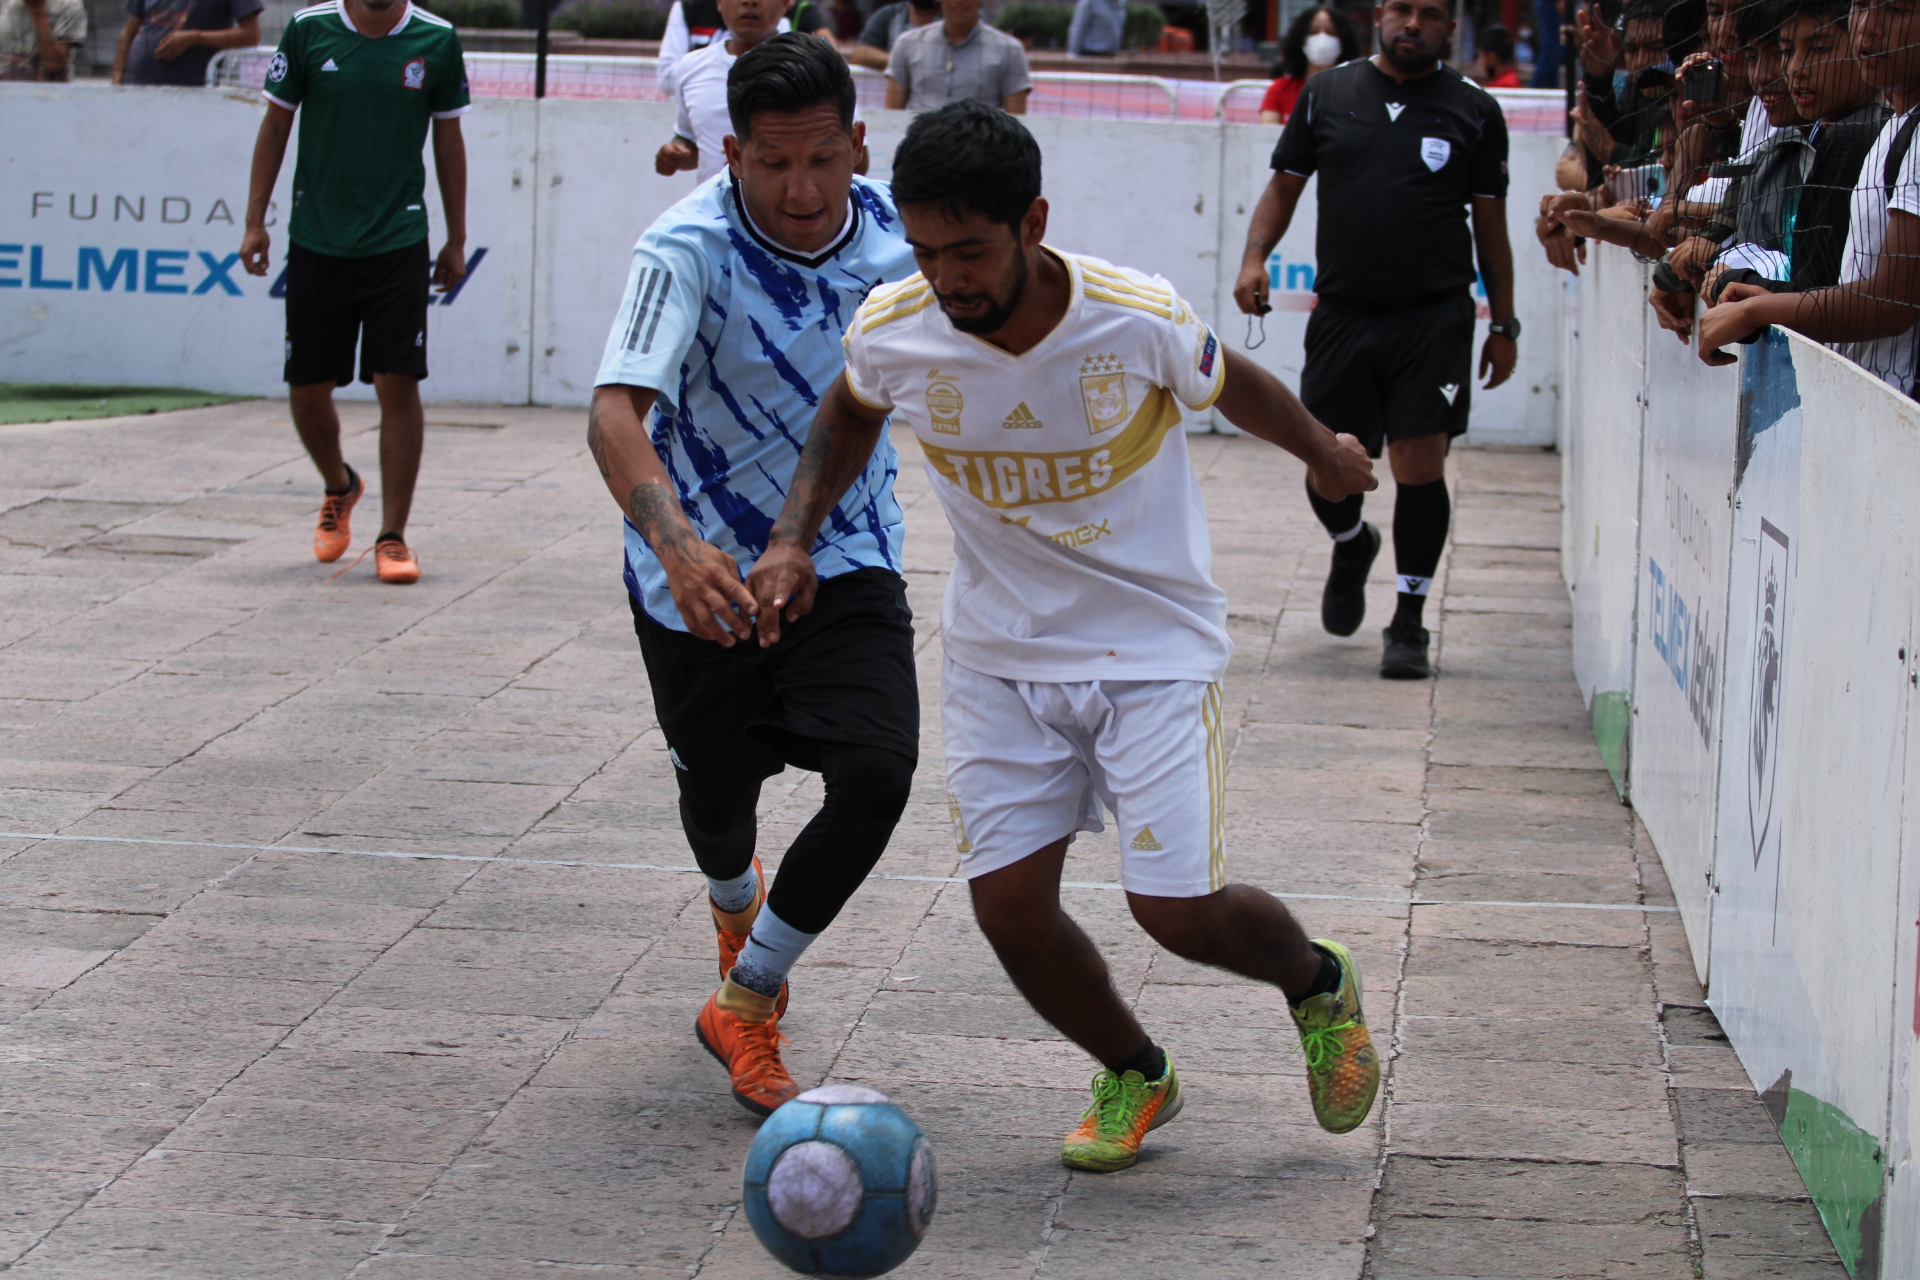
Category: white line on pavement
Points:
column 649, row 866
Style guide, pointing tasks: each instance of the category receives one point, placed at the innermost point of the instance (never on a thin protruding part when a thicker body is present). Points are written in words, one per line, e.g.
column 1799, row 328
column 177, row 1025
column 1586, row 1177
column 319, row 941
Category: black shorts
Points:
column 331, row 301
column 1391, row 375
column 842, row 673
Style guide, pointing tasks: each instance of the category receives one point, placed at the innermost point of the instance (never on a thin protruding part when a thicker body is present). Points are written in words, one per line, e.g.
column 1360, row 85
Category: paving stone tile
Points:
column 1756, row 1226
column 72, row 930
column 59, row 1142
column 36, row 1200
column 1524, row 924
column 415, row 1266
column 1144, row 1255
column 1428, row 1249
column 1462, row 1080
column 88, row 876
column 378, row 1190
column 1621, row 1040
column 1543, row 1133
column 1532, row 1191
column 46, row 968
column 328, row 1131
column 1723, row 1115
column 106, row 1244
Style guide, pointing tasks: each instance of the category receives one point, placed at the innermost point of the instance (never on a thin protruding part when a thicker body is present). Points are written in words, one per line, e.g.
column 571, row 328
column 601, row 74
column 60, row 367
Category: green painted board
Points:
column 55, row 402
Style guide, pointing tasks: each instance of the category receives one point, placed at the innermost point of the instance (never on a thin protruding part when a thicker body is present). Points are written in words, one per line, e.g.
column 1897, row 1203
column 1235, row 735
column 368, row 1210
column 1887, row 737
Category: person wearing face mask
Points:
column 1318, row 39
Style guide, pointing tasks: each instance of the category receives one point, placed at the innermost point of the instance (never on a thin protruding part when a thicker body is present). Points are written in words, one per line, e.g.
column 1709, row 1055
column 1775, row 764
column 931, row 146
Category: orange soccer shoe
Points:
column 741, row 1029
column 331, row 537
column 731, row 929
column 392, row 562
column 1125, row 1108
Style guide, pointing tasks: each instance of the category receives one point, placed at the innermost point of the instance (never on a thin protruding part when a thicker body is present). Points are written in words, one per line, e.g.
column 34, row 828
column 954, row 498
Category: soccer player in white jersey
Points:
column 1084, row 635
column 729, row 334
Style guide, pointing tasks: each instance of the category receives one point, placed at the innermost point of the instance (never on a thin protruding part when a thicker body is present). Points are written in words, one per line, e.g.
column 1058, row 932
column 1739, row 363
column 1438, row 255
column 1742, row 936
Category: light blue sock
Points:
column 736, row 894
column 772, row 949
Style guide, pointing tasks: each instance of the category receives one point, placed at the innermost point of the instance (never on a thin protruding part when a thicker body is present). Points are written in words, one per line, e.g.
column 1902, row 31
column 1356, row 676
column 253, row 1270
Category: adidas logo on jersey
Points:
column 1146, row 842
column 1450, row 390
column 1394, row 109
column 1022, row 419
column 329, row 65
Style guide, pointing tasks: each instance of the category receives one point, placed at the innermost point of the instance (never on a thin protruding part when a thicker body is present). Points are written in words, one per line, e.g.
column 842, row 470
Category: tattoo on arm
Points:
column 803, row 512
column 597, row 442
column 656, row 513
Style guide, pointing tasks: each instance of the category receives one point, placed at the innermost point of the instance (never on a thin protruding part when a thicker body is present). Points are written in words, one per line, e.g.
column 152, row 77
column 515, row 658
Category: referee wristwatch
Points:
column 1508, row 329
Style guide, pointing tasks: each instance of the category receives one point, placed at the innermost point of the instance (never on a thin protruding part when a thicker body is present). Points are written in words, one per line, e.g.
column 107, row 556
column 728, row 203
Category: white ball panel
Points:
column 828, row 1095
column 920, row 1189
column 815, row 1190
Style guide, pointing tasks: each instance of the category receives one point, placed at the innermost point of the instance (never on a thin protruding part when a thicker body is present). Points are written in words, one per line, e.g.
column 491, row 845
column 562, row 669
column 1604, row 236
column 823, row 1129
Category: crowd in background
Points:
column 1760, row 153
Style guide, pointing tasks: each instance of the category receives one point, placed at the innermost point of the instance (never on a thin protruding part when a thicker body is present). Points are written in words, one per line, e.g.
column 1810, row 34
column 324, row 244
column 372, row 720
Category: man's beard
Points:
column 996, row 316
column 1420, row 62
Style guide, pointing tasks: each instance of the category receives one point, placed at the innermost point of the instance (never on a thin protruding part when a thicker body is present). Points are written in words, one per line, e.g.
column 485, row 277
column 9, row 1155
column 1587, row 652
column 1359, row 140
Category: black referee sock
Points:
column 1421, row 513
column 1339, row 517
column 1150, row 1062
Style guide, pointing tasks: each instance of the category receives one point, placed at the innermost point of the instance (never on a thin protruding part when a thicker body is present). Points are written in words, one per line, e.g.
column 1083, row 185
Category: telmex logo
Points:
column 148, row 271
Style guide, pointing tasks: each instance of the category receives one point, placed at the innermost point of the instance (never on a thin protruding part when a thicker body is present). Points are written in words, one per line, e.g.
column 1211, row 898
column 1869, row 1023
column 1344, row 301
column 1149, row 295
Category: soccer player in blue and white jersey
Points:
column 729, row 335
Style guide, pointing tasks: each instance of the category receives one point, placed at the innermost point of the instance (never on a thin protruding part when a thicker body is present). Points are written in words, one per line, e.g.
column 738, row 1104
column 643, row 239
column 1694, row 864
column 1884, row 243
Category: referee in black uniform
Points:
column 1404, row 146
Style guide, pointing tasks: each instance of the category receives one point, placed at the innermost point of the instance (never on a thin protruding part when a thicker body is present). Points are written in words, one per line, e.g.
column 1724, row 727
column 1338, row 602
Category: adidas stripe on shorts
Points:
column 1030, row 762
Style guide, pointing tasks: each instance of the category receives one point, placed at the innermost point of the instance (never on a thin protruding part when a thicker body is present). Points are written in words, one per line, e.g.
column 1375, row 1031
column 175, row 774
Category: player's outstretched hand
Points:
column 451, row 267
column 782, row 583
column 706, row 587
column 1345, row 471
column 253, row 250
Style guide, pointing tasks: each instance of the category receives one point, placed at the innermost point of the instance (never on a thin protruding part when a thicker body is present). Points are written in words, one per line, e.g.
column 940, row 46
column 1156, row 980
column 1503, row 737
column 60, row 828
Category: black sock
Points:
column 389, row 537
column 1421, row 513
column 1150, row 1062
column 341, row 493
column 1338, row 517
column 1331, row 976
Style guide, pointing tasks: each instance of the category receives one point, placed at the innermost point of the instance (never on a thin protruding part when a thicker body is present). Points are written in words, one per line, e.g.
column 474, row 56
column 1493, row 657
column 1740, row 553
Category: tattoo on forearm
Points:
column 656, row 513
column 803, row 511
column 597, row 442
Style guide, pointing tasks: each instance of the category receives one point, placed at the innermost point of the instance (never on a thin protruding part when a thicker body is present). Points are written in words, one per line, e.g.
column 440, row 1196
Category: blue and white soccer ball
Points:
column 840, row 1182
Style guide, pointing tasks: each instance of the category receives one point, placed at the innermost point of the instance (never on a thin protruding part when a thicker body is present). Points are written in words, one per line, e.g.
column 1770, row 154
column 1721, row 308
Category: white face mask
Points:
column 1323, row 50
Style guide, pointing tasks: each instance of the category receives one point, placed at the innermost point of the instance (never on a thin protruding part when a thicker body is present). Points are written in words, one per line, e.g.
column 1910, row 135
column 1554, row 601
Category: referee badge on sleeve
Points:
column 1434, row 152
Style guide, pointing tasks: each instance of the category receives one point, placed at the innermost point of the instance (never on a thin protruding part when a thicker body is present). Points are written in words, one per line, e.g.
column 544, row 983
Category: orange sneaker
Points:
column 740, row 1028
column 331, row 536
column 392, row 562
column 731, row 928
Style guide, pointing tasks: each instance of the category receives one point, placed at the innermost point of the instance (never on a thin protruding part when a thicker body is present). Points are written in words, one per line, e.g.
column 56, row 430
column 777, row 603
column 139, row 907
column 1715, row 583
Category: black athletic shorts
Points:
column 378, row 304
column 842, row 673
column 1391, row 375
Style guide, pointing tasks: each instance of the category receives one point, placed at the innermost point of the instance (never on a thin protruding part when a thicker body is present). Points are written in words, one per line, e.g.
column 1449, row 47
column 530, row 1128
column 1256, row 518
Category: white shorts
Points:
column 1028, row 763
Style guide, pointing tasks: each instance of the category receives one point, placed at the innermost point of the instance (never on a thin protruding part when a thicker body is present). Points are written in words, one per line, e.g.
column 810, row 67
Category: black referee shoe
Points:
column 1343, row 605
column 1406, row 654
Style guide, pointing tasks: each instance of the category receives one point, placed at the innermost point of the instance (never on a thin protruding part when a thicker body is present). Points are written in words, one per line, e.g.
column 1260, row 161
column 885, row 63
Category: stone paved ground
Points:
column 347, row 930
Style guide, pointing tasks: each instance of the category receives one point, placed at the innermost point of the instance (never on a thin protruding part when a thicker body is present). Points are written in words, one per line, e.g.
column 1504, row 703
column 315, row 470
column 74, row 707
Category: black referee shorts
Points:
column 377, row 303
column 1391, row 375
column 842, row 673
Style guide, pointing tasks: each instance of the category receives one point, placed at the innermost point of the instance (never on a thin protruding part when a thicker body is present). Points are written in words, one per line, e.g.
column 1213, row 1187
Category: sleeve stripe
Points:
column 877, row 408
column 897, row 313
column 1219, row 385
column 1119, row 284
column 454, row 114
column 1098, row 294
column 279, row 102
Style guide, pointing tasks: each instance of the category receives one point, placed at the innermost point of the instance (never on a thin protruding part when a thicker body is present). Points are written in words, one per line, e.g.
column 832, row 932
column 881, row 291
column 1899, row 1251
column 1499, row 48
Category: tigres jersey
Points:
column 1080, row 537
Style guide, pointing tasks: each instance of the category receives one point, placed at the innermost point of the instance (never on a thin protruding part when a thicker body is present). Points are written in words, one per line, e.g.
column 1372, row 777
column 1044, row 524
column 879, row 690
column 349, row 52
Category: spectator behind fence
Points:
column 1547, row 47
column 1829, row 92
column 38, row 38
column 172, row 41
column 701, row 122
column 1498, row 70
column 1097, row 28
column 888, row 24
column 1318, row 39
column 1870, row 316
column 694, row 25
column 1624, row 101
column 958, row 59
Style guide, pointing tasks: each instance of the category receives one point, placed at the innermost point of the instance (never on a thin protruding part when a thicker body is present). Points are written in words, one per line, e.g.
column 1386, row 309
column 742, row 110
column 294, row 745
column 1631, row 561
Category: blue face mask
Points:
column 1622, row 81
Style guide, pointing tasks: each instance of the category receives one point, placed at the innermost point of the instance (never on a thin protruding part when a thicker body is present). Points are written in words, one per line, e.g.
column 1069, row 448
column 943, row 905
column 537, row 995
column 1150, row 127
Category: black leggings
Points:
column 866, row 793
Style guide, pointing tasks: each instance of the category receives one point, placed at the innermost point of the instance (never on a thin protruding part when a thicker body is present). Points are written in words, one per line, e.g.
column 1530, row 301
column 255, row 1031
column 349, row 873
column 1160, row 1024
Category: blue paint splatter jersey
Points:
column 740, row 337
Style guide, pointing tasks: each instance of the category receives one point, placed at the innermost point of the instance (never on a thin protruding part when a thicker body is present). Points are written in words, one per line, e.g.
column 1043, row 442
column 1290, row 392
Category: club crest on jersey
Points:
column 277, row 69
column 1103, row 388
column 944, row 403
column 414, row 74
column 1434, row 153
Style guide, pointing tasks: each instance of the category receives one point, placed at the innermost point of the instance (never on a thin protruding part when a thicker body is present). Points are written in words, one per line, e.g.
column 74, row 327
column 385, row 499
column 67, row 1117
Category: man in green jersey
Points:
column 370, row 75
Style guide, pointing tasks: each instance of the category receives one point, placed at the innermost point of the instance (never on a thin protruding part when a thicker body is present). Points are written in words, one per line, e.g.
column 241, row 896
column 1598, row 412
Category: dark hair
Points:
column 1498, row 41
column 968, row 158
column 1293, row 49
column 1758, row 20
column 1825, row 10
column 788, row 72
